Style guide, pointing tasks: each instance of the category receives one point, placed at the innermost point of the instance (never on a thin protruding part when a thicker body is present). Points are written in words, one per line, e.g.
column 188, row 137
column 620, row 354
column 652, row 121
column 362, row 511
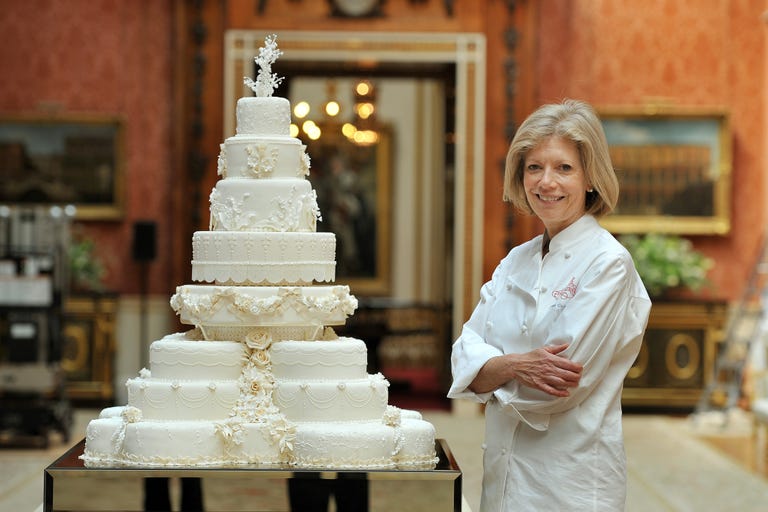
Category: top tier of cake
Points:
column 263, row 170
column 263, row 116
column 263, row 147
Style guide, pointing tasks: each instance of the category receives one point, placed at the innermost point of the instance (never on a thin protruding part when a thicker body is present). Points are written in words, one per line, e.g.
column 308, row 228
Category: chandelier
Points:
column 360, row 129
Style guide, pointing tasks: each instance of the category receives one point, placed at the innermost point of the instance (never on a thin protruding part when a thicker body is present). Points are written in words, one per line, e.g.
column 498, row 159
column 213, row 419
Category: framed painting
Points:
column 674, row 170
column 352, row 182
column 63, row 160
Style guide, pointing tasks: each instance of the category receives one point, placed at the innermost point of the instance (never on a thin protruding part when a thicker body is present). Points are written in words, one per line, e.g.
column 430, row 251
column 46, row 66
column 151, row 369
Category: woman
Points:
column 557, row 328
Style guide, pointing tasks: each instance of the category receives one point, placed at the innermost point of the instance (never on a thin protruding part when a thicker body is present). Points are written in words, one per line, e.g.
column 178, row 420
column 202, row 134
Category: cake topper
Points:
column 266, row 81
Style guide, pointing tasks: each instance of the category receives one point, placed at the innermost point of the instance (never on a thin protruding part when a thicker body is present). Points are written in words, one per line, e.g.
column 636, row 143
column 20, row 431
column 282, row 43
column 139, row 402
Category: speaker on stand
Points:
column 144, row 251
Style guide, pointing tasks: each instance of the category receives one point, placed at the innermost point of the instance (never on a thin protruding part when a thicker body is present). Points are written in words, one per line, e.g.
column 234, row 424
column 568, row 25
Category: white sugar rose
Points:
column 392, row 416
column 257, row 340
column 131, row 414
column 260, row 358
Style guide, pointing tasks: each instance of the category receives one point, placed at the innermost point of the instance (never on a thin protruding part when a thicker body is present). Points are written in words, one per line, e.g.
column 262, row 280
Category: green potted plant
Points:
column 85, row 269
column 667, row 262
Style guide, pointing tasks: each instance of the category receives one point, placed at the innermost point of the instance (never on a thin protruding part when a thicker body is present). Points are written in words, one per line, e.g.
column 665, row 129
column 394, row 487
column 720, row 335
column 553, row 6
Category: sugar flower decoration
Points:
column 392, row 416
column 131, row 414
column 231, row 432
column 266, row 81
column 258, row 340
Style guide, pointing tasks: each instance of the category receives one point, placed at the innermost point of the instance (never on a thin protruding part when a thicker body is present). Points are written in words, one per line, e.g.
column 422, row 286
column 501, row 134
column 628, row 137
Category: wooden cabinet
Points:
column 89, row 346
column 678, row 355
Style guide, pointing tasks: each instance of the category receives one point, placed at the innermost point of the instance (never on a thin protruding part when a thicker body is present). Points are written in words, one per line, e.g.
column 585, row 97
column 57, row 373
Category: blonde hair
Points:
column 574, row 120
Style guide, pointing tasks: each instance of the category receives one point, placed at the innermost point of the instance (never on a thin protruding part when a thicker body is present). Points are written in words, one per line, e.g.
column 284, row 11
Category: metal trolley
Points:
column 34, row 244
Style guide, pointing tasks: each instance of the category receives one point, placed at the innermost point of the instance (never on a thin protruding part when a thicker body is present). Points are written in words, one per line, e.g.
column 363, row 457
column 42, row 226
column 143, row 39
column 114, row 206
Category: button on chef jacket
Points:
column 546, row 453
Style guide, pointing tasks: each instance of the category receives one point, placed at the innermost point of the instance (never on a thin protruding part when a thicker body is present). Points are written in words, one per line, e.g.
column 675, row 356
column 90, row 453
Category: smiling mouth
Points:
column 549, row 199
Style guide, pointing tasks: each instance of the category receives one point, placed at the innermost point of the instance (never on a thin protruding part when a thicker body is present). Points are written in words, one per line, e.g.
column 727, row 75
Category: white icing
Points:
column 182, row 400
column 418, row 443
column 100, row 445
column 162, row 443
column 264, row 205
column 263, row 116
column 171, row 358
column 336, row 400
column 365, row 445
column 263, row 258
column 344, row 358
column 246, row 156
column 112, row 412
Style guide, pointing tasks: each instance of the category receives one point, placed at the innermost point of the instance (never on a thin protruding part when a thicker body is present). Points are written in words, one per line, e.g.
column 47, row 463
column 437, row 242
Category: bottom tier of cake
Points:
column 401, row 438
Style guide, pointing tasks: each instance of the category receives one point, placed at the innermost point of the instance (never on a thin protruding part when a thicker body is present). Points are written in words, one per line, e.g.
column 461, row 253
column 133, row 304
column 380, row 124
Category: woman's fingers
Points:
column 554, row 391
column 570, row 378
column 555, row 349
column 563, row 361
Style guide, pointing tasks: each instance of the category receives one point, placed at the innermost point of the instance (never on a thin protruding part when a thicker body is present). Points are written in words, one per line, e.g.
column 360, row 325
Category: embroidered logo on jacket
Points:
column 566, row 293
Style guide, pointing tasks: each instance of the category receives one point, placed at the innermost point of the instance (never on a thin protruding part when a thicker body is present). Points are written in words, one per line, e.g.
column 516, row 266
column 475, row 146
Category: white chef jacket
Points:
column 546, row 453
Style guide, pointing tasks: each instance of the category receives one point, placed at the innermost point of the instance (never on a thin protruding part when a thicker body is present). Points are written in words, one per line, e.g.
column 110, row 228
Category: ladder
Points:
column 748, row 321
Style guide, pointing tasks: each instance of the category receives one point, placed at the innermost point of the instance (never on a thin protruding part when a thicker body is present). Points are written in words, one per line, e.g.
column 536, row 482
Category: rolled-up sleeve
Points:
column 470, row 351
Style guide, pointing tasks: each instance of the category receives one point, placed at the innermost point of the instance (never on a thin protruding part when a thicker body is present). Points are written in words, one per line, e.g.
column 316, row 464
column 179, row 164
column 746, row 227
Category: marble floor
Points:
column 675, row 463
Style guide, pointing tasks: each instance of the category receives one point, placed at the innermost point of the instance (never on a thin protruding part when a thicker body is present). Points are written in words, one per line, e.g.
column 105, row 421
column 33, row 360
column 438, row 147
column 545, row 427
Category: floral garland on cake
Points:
column 204, row 307
column 255, row 404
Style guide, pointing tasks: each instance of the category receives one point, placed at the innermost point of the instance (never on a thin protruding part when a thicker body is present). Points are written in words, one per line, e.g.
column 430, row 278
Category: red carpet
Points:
column 416, row 388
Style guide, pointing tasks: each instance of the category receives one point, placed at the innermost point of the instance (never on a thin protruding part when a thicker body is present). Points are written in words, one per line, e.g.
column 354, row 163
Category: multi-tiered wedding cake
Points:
column 261, row 378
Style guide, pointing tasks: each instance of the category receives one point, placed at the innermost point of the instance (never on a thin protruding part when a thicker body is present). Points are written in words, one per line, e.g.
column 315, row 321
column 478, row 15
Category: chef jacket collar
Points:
column 573, row 233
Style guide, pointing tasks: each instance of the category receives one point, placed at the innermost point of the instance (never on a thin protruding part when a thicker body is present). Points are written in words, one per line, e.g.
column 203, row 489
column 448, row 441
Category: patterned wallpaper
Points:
column 108, row 57
column 115, row 56
column 708, row 53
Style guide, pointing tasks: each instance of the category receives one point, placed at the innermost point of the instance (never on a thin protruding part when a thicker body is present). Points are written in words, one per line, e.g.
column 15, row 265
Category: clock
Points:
column 356, row 8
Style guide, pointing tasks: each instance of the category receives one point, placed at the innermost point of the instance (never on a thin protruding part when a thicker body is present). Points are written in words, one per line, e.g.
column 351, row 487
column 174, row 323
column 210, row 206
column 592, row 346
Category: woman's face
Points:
column 555, row 183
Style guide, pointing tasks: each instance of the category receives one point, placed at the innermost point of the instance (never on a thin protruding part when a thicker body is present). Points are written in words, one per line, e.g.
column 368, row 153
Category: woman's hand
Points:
column 543, row 369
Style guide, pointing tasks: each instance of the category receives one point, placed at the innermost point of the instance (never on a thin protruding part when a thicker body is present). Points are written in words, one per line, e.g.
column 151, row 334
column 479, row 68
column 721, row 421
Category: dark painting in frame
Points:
column 674, row 170
column 352, row 182
column 63, row 160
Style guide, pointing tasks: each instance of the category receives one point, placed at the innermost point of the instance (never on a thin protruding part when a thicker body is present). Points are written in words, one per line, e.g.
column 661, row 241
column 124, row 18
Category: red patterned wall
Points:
column 707, row 53
column 108, row 57
column 115, row 56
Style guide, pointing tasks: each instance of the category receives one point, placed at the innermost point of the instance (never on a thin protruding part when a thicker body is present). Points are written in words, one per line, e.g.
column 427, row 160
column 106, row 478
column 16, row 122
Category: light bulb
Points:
column 301, row 109
column 332, row 108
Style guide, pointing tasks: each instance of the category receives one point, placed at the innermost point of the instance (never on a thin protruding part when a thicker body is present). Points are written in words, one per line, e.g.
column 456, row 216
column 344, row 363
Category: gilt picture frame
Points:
column 63, row 159
column 353, row 186
column 674, row 170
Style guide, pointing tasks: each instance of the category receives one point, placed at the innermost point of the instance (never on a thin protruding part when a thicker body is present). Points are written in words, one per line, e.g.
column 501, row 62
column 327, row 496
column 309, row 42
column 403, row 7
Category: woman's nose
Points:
column 547, row 177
